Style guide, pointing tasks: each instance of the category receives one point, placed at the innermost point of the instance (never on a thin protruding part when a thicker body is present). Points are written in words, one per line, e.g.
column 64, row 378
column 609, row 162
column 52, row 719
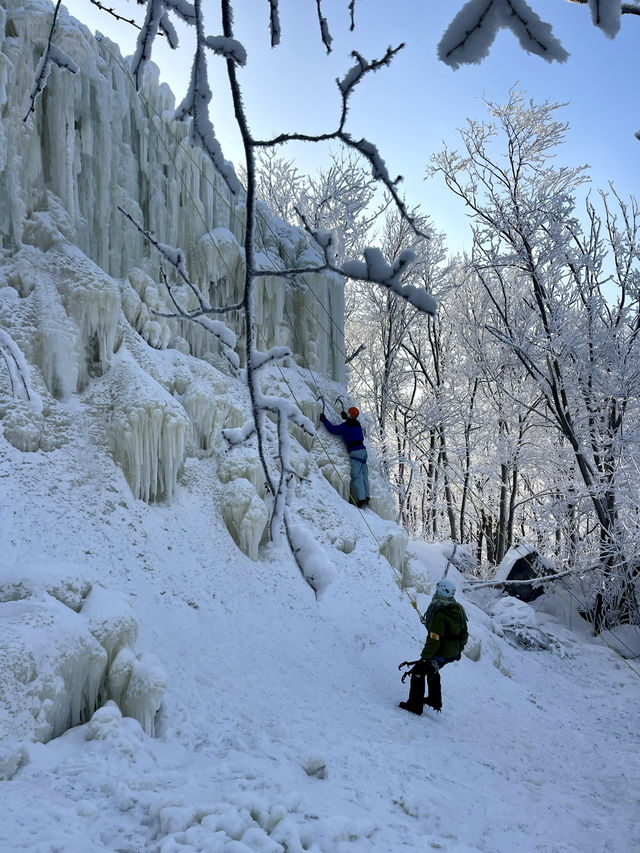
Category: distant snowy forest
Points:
column 500, row 389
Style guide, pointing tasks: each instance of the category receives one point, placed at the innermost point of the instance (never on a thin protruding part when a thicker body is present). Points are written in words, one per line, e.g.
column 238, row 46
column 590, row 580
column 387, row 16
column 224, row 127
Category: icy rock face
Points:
column 80, row 289
column 59, row 660
column 78, row 163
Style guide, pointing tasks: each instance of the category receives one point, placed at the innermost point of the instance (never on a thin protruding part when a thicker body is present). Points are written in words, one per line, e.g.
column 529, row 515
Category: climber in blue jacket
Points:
column 353, row 436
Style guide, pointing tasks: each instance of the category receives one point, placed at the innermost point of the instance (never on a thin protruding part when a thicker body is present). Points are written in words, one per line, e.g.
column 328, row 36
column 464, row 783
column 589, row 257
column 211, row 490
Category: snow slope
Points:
column 279, row 728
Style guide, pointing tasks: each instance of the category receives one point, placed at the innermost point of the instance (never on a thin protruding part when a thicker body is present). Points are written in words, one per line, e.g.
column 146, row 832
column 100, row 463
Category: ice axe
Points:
column 410, row 663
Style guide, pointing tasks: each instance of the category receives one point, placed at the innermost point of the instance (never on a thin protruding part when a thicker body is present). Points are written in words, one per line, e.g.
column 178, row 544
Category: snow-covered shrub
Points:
column 517, row 621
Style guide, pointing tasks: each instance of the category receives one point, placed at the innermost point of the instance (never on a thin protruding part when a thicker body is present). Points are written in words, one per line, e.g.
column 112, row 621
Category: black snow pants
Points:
column 429, row 669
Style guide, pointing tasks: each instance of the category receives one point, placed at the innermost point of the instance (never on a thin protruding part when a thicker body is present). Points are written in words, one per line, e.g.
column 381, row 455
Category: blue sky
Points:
column 411, row 108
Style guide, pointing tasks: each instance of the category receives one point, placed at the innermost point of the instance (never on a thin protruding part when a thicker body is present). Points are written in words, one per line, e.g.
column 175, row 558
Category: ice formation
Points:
column 62, row 651
column 245, row 515
column 86, row 279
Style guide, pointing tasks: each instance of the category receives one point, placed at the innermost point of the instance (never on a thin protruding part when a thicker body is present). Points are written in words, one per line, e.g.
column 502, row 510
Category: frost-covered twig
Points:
column 157, row 21
column 352, row 15
column 355, row 353
column 325, row 35
column 111, row 11
column 274, row 22
column 363, row 147
column 605, row 14
column 175, row 258
column 53, row 55
column 540, row 579
column 196, row 102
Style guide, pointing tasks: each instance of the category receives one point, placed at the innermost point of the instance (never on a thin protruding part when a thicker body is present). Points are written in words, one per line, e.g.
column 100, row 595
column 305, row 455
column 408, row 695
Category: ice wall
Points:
column 94, row 144
column 80, row 289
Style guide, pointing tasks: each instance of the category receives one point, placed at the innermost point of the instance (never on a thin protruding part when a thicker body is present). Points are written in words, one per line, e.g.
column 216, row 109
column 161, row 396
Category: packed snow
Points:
column 172, row 680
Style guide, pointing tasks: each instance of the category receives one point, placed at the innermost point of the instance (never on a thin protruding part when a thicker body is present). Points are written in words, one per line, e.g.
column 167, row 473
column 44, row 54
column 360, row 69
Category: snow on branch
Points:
column 173, row 256
column 53, row 55
column 374, row 269
column 168, row 30
column 275, row 353
column 325, row 35
column 470, row 35
column 196, row 105
column 238, row 435
column 605, row 15
column 176, row 259
column 144, row 46
column 362, row 67
column 274, row 23
column 352, row 15
column 18, row 369
column 229, row 48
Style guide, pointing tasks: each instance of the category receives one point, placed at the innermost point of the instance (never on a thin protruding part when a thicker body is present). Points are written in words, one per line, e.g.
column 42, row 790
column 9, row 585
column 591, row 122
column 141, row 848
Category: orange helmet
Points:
column 353, row 412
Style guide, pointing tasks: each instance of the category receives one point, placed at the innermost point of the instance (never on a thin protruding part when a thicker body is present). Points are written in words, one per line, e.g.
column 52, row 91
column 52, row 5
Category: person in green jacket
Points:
column 447, row 634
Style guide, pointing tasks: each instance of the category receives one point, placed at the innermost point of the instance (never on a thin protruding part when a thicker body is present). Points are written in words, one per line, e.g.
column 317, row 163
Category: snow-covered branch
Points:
column 470, row 35
column 274, row 22
column 238, row 435
column 217, row 328
column 325, row 35
column 275, row 353
column 53, row 55
column 374, row 269
column 362, row 67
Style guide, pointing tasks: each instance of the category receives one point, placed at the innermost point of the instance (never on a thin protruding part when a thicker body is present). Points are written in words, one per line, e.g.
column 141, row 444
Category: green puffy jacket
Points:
column 446, row 624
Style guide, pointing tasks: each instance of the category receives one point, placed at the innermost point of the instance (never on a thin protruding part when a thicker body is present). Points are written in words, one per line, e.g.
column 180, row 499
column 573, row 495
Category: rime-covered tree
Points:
column 565, row 302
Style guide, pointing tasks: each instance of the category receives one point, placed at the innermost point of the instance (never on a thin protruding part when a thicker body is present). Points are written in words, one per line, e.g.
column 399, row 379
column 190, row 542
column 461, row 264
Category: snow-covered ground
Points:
column 279, row 728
